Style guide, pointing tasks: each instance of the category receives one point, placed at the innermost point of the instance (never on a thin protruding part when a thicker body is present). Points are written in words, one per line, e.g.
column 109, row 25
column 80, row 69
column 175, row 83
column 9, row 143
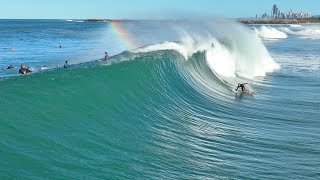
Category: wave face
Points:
column 167, row 111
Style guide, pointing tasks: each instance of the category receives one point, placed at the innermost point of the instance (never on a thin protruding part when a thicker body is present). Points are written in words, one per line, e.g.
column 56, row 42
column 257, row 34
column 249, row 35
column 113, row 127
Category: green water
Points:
column 150, row 118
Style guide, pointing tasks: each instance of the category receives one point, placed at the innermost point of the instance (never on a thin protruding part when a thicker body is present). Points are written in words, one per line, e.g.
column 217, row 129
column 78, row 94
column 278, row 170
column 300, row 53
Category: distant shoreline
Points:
column 243, row 21
column 107, row 20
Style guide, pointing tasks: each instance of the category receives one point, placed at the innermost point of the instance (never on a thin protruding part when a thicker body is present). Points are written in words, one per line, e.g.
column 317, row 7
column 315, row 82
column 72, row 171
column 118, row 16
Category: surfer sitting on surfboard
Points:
column 242, row 87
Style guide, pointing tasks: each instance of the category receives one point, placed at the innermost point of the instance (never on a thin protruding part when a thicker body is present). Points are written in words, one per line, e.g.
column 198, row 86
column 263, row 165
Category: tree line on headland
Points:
column 311, row 20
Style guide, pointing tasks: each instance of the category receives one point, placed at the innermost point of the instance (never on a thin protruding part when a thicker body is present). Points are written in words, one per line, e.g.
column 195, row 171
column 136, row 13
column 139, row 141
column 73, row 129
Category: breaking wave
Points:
column 268, row 32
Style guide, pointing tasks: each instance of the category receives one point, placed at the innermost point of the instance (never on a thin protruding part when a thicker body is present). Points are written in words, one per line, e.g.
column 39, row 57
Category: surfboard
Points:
column 245, row 92
column 248, row 92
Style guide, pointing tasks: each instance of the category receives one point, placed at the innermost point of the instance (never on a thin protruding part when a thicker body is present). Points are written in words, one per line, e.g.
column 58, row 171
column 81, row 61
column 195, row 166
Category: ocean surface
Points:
column 164, row 105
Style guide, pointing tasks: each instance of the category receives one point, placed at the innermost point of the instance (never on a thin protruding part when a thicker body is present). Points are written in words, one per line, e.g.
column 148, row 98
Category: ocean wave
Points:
column 302, row 32
column 309, row 33
column 268, row 32
column 228, row 57
column 295, row 25
column 286, row 30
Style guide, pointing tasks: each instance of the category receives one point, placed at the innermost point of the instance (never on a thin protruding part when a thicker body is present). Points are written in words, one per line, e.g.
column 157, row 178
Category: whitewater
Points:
column 165, row 107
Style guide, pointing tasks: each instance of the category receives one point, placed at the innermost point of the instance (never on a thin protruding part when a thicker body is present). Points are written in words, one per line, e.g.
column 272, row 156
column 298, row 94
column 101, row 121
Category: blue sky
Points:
column 146, row 9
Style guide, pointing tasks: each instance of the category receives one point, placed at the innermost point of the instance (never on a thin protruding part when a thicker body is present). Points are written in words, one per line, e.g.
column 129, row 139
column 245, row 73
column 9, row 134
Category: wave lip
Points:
column 244, row 56
column 164, row 46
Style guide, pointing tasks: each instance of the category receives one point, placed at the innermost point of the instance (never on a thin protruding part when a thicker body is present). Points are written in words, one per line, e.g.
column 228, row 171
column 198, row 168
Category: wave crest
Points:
column 302, row 31
column 238, row 53
column 270, row 33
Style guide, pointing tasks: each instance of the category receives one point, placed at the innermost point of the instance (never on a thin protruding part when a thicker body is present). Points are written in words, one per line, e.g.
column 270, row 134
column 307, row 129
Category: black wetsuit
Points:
column 242, row 87
column 10, row 67
column 23, row 71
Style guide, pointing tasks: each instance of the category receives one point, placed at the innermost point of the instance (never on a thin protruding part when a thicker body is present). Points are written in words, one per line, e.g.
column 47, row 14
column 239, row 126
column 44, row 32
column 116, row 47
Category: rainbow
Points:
column 123, row 35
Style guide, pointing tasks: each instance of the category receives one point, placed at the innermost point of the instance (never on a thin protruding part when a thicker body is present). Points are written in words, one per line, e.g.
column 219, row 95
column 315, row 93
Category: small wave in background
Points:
column 284, row 31
column 268, row 32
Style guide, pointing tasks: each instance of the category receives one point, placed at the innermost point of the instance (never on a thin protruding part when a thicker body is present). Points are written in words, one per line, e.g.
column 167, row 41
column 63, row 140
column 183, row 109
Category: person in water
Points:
column 22, row 69
column 10, row 67
column 43, row 68
column 66, row 65
column 242, row 86
column 106, row 56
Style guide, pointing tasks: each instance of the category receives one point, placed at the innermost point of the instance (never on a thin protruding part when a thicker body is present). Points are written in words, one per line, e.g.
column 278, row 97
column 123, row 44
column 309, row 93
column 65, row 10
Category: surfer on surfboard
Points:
column 242, row 86
column 245, row 88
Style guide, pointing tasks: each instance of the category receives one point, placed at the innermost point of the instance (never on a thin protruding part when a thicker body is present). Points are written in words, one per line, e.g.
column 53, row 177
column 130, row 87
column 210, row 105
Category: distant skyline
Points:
column 147, row 9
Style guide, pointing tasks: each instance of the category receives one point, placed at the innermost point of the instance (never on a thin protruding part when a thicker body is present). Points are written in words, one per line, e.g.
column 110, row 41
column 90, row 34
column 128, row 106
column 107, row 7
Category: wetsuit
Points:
column 106, row 56
column 23, row 71
column 242, row 87
column 66, row 66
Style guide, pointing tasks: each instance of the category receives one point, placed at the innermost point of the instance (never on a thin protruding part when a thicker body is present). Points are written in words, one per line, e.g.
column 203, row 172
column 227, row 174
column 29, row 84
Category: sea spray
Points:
column 231, row 49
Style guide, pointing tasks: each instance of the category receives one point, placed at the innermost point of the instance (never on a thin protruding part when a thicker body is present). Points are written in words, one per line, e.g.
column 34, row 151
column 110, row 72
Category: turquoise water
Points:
column 166, row 111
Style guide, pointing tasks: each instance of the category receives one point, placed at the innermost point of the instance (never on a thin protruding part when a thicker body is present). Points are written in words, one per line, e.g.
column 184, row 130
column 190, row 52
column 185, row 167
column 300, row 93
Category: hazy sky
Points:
column 146, row 9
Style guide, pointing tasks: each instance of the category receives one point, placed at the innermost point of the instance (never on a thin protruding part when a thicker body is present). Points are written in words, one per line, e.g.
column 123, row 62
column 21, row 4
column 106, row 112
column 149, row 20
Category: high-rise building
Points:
column 274, row 12
column 277, row 14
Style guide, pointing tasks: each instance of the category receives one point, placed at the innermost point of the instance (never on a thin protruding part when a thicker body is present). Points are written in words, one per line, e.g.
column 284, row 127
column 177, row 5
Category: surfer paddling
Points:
column 10, row 67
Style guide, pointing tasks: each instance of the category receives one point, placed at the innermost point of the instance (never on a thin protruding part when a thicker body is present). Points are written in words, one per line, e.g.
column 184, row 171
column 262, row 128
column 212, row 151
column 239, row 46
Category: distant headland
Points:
column 107, row 20
column 311, row 20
